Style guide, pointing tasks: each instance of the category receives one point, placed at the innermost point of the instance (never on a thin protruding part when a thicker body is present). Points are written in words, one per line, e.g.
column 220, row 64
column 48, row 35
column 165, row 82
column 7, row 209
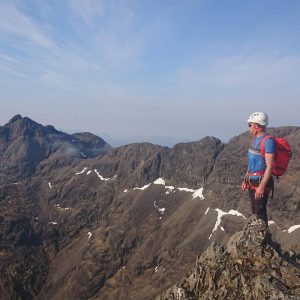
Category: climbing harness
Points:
column 247, row 184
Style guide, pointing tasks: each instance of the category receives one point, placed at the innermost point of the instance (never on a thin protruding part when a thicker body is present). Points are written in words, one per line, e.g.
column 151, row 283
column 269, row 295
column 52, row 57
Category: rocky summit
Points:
column 250, row 266
column 82, row 220
column 25, row 143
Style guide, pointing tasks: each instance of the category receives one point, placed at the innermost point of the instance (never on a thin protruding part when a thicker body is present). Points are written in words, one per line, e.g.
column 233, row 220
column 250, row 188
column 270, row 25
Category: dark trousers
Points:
column 259, row 206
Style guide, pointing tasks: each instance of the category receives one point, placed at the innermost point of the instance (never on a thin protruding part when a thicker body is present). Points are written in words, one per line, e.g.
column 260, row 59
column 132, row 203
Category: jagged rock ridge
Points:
column 251, row 266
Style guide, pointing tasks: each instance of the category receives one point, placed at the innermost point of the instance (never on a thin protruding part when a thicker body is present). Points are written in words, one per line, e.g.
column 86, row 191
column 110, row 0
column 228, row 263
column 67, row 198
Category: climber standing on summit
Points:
column 259, row 180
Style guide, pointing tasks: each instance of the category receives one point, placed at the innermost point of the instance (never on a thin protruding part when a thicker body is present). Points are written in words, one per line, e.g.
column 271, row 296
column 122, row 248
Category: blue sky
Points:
column 139, row 70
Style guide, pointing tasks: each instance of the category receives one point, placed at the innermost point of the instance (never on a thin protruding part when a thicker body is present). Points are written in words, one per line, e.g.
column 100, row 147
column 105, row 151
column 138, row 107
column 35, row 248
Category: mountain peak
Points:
column 15, row 118
column 24, row 144
column 19, row 125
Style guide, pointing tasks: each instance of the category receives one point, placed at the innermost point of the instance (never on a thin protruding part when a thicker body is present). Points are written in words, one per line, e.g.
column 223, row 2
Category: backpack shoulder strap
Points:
column 262, row 144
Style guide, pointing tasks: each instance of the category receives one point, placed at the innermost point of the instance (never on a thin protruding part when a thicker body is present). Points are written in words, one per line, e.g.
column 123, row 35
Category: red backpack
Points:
column 282, row 155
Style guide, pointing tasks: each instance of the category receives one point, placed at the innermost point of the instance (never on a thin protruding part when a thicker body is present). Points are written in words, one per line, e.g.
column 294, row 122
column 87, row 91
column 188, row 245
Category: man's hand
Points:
column 244, row 186
column 259, row 192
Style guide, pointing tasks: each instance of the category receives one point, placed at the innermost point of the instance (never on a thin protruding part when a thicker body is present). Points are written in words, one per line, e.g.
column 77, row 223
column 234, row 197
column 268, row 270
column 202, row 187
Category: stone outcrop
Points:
column 251, row 266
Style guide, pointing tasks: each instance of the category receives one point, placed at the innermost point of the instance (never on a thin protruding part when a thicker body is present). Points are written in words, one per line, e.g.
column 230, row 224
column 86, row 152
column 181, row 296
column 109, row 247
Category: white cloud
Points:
column 106, row 44
column 112, row 32
column 261, row 71
column 87, row 10
column 14, row 22
column 96, row 13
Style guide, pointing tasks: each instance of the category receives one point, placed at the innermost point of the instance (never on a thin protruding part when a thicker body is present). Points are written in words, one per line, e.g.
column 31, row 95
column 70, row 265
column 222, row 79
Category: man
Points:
column 259, row 180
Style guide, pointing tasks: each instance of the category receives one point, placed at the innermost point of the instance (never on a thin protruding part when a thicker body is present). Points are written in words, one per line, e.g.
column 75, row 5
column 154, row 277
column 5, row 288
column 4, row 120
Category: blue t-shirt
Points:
column 256, row 162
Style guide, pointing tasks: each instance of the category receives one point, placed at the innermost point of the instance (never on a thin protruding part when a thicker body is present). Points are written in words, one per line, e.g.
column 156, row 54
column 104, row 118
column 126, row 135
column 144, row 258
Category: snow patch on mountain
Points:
column 198, row 193
column 61, row 208
column 222, row 213
column 101, row 177
column 97, row 173
column 161, row 210
column 293, row 228
column 186, row 190
column 143, row 187
column 82, row 171
column 50, row 185
column 170, row 189
column 161, row 181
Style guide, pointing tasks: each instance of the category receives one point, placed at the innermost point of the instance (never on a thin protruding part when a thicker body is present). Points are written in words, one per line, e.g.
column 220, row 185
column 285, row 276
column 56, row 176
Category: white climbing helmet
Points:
column 260, row 118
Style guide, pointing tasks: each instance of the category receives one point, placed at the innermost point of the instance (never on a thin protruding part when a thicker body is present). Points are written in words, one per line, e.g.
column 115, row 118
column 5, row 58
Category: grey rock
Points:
column 253, row 277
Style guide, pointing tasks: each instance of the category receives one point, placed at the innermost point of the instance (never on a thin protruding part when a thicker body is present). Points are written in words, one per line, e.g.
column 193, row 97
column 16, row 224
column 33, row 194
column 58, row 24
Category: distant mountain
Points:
column 158, row 140
column 82, row 220
column 25, row 143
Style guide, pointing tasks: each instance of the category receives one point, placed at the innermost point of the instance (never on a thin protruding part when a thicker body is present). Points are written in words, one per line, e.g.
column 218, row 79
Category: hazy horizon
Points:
column 116, row 141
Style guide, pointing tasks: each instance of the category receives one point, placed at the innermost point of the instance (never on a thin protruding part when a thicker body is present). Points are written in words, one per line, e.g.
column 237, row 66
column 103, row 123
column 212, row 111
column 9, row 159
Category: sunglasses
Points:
column 250, row 124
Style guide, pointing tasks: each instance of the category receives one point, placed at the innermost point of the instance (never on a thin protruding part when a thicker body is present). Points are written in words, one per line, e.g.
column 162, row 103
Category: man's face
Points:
column 251, row 127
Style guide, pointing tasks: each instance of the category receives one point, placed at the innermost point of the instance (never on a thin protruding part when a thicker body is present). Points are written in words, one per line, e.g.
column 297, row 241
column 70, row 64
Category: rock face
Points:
column 250, row 266
column 25, row 143
column 127, row 223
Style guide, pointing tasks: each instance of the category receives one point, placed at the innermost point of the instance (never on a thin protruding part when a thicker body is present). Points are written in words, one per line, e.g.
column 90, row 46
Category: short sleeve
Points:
column 270, row 146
